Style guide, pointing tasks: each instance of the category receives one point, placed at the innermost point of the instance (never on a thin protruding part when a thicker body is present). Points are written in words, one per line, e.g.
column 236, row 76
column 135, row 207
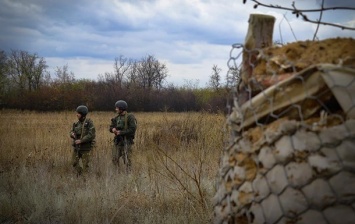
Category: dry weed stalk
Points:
column 37, row 183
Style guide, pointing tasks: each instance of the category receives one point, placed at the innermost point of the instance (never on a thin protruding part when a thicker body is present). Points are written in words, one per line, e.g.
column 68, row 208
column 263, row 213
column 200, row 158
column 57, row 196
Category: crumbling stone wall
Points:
column 289, row 174
column 291, row 155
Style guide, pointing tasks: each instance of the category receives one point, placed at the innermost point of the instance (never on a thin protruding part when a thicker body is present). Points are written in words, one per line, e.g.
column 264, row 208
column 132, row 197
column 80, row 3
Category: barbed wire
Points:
column 301, row 13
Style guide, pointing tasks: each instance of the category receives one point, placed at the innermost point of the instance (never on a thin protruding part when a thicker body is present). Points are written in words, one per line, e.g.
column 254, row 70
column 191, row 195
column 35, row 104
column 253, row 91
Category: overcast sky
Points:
column 189, row 36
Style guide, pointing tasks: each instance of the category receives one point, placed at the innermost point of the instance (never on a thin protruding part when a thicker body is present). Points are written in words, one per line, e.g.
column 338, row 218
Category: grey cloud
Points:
column 107, row 29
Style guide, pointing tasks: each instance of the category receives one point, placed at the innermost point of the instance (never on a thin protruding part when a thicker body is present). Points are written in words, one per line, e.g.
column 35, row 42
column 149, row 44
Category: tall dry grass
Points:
column 175, row 162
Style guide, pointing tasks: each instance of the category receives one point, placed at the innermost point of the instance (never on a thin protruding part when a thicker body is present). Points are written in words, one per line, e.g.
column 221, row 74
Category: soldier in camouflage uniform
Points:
column 123, row 126
column 83, row 133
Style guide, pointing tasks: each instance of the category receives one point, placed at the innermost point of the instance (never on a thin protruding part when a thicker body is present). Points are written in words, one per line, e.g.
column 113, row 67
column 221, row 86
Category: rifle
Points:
column 125, row 151
column 123, row 139
column 118, row 138
column 76, row 146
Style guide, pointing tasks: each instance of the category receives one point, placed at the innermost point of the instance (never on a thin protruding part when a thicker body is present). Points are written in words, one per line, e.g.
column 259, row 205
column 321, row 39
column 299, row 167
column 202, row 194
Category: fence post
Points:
column 259, row 35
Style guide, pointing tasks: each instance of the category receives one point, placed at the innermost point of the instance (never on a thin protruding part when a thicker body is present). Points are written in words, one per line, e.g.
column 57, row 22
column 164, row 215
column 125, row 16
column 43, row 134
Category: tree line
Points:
column 25, row 83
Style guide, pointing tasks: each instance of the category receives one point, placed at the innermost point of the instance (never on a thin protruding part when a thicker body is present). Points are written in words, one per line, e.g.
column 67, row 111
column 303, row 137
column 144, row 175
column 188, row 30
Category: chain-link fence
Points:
column 291, row 158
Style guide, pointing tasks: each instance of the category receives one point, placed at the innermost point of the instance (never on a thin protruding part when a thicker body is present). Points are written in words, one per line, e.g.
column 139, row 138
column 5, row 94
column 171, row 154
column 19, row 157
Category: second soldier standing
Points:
column 83, row 133
column 123, row 126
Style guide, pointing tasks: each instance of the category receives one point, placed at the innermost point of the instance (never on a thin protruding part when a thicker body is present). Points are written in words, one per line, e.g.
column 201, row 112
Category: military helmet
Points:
column 121, row 104
column 82, row 110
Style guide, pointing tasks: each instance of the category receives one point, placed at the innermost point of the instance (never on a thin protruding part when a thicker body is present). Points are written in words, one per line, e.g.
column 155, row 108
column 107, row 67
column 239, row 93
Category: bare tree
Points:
column 26, row 70
column 132, row 75
column 39, row 73
column 3, row 76
column 63, row 76
column 121, row 66
column 215, row 78
column 232, row 77
column 151, row 73
column 116, row 79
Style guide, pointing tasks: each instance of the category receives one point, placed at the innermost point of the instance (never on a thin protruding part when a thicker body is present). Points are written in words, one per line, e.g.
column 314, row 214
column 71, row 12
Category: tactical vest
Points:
column 81, row 129
column 122, row 123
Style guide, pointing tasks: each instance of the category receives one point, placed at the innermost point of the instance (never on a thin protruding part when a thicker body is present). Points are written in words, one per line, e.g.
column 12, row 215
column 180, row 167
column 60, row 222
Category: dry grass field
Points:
column 175, row 163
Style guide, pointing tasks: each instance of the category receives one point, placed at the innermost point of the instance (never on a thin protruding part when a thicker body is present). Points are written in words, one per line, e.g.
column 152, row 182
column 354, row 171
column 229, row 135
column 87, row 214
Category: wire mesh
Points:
column 291, row 156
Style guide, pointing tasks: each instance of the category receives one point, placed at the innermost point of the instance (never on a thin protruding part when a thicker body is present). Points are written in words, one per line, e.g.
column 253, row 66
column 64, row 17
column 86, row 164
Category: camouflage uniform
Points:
column 127, row 124
column 85, row 131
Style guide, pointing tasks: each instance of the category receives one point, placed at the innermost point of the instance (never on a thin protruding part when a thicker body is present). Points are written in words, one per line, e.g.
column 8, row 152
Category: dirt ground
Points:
column 274, row 64
column 294, row 57
column 278, row 63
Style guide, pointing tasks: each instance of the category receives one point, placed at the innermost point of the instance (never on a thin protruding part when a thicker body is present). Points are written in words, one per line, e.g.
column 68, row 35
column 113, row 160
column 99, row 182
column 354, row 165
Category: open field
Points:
column 175, row 163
